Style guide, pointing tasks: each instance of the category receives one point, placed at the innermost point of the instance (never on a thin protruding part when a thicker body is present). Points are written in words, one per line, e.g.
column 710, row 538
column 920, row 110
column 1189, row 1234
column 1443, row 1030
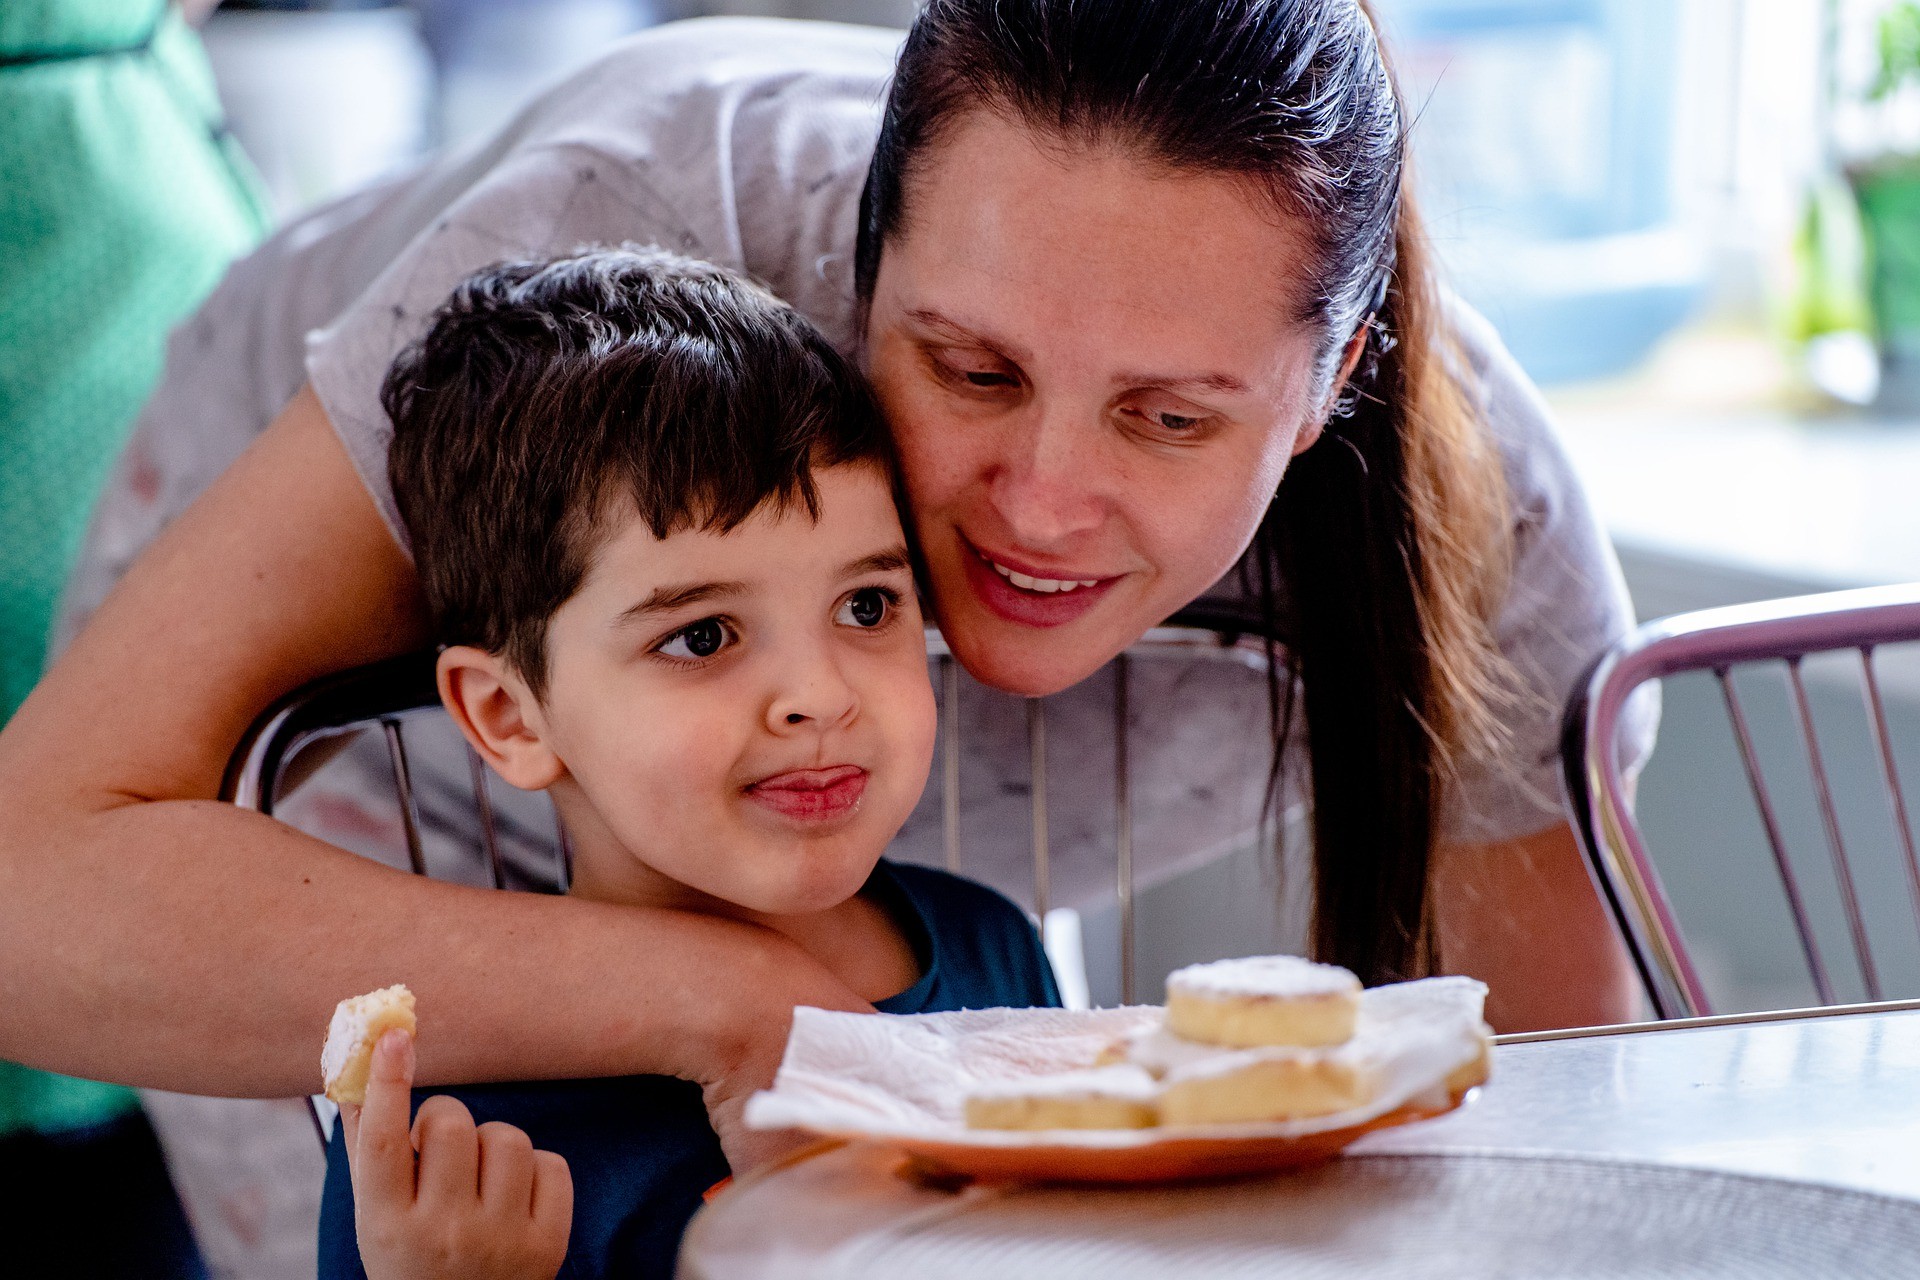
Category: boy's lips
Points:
column 812, row 795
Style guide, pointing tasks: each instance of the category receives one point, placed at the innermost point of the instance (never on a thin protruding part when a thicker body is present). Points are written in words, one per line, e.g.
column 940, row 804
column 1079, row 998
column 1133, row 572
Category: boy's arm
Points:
column 445, row 1198
column 214, row 942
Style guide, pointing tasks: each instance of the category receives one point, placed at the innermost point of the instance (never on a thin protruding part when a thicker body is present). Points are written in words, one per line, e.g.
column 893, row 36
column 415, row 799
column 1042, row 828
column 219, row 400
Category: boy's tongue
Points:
column 812, row 793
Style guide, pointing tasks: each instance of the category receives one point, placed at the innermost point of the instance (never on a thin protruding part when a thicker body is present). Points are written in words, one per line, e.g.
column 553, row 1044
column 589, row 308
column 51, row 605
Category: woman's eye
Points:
column 982, row 373
column 701, row 640
column 866, row 608
column 1169, row 423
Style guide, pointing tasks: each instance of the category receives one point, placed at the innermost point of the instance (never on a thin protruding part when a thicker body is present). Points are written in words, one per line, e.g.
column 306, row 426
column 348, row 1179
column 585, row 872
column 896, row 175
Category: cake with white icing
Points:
column 1116, row 1097
column 357, row 1025
column 1263, row 1001
column 1255, row 1041
column 1246, row 1086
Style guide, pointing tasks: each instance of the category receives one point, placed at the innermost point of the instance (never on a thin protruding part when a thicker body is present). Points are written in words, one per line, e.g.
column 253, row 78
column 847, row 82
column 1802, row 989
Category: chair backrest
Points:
column 1781, row 634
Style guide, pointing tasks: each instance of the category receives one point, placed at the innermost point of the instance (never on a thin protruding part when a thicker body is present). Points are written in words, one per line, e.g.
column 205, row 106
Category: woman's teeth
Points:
column 1042, row 585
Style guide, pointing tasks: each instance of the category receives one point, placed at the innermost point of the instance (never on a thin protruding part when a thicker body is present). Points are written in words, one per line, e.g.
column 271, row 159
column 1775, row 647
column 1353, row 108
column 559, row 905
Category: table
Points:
column 1826, row 1097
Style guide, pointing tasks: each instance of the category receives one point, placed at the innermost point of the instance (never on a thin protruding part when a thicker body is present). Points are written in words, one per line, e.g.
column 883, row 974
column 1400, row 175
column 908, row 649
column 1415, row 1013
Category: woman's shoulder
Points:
column 741, row 63
column 1565, row 599
column 740, row 141
column 1515, row 415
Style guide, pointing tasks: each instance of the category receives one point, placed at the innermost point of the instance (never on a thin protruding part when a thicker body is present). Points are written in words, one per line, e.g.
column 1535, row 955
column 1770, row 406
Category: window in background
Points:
column 325, row 97
column 1559, row 150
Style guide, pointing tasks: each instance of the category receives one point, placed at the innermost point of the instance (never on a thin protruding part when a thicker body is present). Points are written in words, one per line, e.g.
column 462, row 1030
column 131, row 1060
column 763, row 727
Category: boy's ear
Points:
column 499, row 715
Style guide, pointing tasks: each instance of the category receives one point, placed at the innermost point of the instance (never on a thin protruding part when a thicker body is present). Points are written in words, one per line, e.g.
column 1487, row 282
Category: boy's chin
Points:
column 814, row 888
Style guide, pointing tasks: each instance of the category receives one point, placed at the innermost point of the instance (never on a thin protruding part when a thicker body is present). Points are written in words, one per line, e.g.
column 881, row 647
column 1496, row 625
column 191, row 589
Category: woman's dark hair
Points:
column 545, row 393
column 1379, row 557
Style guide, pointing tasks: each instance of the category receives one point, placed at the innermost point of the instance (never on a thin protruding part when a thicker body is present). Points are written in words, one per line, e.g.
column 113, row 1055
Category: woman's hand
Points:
column 448, row 1199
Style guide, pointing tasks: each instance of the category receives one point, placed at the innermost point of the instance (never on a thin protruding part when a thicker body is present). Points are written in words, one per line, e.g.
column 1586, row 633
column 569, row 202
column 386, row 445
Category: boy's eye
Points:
column 701, row 640
column 866, row 607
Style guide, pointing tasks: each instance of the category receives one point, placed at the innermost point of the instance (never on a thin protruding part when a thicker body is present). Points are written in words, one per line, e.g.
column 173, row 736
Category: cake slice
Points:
column 1263, row 1001
column 1256, row 1085
column 1116, row 1097
column 358, row 1023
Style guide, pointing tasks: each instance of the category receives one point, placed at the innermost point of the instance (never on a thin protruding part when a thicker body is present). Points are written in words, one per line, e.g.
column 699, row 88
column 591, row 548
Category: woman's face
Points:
column 1095, row 376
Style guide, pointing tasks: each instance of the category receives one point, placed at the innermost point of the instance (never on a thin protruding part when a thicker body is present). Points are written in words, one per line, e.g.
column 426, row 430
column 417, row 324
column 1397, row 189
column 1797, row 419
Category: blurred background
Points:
column 1695, row 222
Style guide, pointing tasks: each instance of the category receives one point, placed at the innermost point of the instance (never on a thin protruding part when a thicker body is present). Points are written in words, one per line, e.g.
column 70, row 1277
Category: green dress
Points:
column 121, row 202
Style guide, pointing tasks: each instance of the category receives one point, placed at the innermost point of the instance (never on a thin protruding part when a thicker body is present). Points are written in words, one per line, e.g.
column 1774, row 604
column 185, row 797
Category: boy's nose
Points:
column 814, row 693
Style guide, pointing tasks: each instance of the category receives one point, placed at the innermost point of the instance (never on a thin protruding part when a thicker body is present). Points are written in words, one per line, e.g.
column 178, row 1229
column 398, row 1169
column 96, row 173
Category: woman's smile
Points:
column 1028, row 594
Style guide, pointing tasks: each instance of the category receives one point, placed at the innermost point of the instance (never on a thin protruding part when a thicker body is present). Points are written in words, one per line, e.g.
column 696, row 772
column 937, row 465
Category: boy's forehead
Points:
column 856, row 519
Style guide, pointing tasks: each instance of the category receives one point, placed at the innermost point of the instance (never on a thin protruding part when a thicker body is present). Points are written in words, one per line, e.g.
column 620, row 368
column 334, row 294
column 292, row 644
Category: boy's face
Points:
column 743, row 715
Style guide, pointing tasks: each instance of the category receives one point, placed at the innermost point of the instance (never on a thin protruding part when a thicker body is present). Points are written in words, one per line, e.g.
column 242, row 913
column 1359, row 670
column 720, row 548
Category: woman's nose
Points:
column 1046, row 489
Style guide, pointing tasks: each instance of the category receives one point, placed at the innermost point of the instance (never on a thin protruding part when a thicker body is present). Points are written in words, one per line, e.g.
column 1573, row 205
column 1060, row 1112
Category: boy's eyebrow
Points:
column 672, row 596
column 892, row 560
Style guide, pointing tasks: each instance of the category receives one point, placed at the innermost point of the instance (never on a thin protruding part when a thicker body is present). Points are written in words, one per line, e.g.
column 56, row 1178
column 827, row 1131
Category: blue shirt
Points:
column 640, row 1148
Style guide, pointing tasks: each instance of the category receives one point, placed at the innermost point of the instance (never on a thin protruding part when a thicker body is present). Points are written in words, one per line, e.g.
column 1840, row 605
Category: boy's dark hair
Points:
column 546, row 392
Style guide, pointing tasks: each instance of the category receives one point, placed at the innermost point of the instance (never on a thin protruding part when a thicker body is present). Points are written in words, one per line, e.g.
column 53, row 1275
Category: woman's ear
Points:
column 499, row 716
column 1349, row 361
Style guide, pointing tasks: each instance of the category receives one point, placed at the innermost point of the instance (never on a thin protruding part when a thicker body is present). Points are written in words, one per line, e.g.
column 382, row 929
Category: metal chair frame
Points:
column 265, row 765
column 1719, row 640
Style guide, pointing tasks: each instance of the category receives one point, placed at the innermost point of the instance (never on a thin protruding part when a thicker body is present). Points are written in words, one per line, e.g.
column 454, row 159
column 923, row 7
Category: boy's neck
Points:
column 857, row 940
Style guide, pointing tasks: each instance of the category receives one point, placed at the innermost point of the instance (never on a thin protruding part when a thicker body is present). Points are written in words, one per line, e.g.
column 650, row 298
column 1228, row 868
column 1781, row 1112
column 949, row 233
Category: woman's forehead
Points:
column 1016, row 233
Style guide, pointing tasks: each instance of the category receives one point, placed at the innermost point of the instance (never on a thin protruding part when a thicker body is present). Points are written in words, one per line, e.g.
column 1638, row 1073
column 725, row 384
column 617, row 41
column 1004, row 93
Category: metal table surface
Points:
column 1827, row 1097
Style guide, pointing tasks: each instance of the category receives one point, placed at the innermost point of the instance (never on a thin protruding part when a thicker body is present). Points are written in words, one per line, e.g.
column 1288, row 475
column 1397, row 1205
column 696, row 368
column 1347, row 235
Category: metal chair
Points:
column 279, row 752
column 1781, row 634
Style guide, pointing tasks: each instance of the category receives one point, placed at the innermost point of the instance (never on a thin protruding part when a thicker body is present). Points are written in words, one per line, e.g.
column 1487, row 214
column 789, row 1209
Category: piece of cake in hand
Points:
column 358, row 1023
column 1116, row 1097
column 1263, row 1000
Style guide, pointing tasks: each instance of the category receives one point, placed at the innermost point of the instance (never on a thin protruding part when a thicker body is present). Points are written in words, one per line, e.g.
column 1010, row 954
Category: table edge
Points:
column 1717, row 1020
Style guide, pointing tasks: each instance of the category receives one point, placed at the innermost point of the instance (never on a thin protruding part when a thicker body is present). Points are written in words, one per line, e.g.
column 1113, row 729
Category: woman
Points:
column 1120, row 265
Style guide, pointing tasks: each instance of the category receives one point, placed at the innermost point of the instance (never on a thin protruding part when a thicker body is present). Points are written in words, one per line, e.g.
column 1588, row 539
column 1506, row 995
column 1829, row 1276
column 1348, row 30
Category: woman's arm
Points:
column 1524, row 918
column 152, row 935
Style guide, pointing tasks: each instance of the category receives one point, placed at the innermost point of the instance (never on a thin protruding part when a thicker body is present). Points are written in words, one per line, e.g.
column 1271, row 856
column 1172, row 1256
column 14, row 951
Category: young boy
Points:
column 653, row 516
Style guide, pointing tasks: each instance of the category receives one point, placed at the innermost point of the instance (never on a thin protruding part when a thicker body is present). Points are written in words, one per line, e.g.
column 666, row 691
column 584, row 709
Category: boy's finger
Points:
column 443, row 1132
column 552, row 1196
column 506, row 1169
column 349, row 1128
column 380, row 1148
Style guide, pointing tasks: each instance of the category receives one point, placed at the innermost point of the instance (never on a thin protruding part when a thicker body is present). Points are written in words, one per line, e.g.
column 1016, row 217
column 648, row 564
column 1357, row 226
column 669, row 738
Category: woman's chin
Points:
column 1034, row 645
column 1018, row 661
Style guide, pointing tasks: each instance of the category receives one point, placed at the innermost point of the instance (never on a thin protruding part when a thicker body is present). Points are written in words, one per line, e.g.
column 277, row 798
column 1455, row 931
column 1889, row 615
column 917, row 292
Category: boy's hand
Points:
column 448, row 1199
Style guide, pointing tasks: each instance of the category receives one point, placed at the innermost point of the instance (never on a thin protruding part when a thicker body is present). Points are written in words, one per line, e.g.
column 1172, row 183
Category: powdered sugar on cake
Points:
column 1263, row 977
column 346, row 1032
column 356, row 1023
column 1122, row 1081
